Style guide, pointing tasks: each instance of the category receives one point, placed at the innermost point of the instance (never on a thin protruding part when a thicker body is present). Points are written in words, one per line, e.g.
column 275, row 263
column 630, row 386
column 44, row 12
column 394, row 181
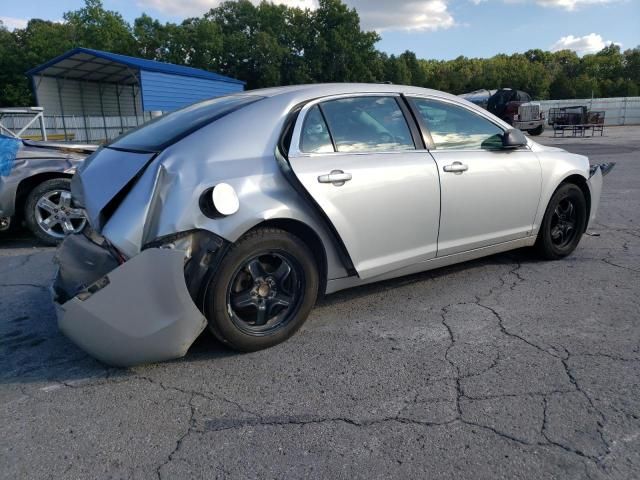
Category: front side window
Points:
column 315, row 134
column 456, row 128
column 367, row 124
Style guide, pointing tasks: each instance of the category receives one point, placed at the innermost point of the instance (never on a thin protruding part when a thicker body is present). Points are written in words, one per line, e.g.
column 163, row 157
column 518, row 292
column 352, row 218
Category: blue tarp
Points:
column 8, row 150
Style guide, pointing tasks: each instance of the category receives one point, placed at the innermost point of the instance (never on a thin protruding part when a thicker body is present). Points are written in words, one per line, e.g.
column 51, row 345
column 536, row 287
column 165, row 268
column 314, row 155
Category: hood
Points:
column 108, row 175
column 537, row 147
column 38, row 157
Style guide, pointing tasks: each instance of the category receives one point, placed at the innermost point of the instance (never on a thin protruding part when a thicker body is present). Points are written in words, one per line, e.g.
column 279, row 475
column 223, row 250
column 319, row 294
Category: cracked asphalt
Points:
column 505, row 367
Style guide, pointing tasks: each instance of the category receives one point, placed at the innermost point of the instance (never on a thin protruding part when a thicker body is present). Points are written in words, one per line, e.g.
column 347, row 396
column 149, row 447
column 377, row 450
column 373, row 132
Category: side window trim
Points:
column 295, row 148
column 412, row 122
column 425, row 129
column 422, row 126
column 324, row 119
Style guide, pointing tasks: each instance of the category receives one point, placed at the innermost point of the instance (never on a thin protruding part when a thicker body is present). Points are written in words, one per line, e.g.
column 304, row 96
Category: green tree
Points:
column 151, row 37
column 340, row 51
column 94, row 27
column 562, row 87
column 269, row 44
column 586, row 87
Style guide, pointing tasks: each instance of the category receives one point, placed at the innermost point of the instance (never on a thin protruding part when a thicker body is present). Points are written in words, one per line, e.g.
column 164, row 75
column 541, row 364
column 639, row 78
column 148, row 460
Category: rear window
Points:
column 163, row 131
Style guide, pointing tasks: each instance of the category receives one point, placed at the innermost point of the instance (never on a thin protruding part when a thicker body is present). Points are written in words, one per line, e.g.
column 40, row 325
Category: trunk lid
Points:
column 103, row 180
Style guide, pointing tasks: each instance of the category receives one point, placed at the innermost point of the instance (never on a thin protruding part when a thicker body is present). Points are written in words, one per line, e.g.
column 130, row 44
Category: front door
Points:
column 489, row 194
column 357, row 158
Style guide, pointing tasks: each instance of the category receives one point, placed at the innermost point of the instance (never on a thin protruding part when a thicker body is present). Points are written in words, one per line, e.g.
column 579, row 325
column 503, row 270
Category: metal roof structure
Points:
column 99, row 95
column 106, row 67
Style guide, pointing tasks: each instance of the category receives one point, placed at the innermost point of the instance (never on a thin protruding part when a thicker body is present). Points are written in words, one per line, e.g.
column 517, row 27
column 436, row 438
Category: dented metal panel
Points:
column 143, row 314
column 110, row 172
column 165, row 198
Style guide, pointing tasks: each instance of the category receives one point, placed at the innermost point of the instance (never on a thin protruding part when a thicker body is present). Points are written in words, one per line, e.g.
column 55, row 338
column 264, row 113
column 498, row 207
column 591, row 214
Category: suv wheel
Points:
column 50, row 213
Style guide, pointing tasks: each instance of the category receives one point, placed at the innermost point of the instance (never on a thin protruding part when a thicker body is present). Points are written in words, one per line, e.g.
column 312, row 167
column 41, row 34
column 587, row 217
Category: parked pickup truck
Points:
column 513, row 106
column 35, row 182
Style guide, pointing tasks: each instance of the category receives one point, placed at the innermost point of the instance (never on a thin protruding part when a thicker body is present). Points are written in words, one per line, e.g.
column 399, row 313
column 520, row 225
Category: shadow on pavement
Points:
column 19, row 238
column 32, row 349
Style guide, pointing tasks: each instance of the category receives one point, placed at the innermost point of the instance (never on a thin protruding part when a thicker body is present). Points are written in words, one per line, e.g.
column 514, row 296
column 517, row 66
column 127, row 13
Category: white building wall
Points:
column 74, row 93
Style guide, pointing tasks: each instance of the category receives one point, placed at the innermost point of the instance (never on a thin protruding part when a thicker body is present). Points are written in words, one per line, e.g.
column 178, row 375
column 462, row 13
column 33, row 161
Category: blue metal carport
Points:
column 86, row 83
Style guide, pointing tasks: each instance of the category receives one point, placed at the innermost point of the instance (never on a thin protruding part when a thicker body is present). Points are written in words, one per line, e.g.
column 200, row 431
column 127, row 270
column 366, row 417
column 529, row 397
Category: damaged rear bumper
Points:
column 139, row 312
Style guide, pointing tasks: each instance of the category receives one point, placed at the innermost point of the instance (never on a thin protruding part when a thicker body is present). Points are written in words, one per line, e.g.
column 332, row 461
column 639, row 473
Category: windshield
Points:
column 163, row 131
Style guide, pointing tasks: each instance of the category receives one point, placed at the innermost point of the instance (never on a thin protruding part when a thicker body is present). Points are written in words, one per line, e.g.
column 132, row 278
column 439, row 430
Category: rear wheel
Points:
column 563, row 224
column 263, row 290
column 50, row 213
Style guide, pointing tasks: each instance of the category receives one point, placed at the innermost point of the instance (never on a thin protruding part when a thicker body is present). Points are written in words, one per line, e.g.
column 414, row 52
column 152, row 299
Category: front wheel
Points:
column 563, row 224
column 263, row 290
column 537, row 131
column 50, row 213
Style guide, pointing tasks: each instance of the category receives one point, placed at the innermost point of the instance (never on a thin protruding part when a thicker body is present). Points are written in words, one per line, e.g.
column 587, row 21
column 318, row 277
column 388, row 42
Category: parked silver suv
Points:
column 35, row 186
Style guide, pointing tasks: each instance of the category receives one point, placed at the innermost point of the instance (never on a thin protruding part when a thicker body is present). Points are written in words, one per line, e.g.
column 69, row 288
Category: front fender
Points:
column 557, row 166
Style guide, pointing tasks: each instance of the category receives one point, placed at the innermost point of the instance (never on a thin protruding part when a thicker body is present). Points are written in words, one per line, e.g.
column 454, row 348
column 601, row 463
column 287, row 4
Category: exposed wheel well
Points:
column 29, row 183
column 310, row 238
column 581, row 183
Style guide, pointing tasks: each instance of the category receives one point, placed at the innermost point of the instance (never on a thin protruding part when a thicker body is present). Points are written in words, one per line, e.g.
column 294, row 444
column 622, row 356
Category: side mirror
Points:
column 513, row 138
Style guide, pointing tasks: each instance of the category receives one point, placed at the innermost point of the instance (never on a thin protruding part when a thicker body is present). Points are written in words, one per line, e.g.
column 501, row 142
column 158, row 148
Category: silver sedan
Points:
column 237, row 212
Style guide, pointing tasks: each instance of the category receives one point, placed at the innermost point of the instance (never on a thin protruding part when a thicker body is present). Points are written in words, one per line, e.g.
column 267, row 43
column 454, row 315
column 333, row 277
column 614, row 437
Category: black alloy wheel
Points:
column 262, row 291
column 564, row 222
column 265, row 292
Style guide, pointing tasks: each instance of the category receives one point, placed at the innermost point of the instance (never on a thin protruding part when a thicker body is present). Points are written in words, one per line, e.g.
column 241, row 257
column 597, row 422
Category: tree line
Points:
column 268, row 44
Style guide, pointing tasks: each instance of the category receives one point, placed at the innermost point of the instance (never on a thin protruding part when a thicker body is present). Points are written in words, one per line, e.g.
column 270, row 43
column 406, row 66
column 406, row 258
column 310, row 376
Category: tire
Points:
column 245, row 300
column 57, row 212
column 564, row 222
column 537, row 131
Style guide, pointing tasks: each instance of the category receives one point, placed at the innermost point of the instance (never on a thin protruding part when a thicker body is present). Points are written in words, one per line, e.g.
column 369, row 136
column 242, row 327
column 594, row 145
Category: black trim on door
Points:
column 417, row 118
column 412, row 122
column 287, row 171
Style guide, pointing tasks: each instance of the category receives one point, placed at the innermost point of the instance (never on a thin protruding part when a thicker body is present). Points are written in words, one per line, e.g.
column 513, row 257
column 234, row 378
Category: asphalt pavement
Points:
column 505, row 367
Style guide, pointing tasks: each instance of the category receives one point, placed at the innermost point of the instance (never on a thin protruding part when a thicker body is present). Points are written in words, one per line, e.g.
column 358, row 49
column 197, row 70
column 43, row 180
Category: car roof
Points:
column 315, row 90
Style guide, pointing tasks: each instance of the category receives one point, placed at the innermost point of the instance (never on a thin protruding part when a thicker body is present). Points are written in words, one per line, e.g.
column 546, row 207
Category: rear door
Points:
column 358, row 159
column 489, row 194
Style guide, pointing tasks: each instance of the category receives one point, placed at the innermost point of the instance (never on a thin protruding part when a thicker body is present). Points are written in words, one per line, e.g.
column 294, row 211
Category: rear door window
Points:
column 315, row 134
column 367, row 124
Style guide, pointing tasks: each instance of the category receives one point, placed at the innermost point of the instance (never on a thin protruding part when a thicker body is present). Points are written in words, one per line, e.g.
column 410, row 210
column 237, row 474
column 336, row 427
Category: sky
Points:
column 440, row 29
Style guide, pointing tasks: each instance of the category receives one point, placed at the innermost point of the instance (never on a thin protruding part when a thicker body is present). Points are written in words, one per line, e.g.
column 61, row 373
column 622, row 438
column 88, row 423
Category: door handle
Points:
column 336, row 177
column 456, row 167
